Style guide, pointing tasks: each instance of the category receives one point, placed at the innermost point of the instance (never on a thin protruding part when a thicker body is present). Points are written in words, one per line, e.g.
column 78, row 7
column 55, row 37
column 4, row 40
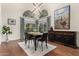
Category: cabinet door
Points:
column 59, row 38
column 69, row 40
column 51, row 37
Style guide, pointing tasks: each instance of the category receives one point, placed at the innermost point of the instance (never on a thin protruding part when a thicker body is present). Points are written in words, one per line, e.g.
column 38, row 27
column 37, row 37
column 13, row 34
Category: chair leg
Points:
column 31, row 42
column 28, row 43
column 46, row 44
column 25, row 42
column 37, row 44
column 42, row 45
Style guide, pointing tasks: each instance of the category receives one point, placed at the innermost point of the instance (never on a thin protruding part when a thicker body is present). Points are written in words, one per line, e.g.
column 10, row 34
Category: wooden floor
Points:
column 12, row 49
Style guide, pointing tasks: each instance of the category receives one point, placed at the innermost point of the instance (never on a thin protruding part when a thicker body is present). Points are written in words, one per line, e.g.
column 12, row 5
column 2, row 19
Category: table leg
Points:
column 35, row 44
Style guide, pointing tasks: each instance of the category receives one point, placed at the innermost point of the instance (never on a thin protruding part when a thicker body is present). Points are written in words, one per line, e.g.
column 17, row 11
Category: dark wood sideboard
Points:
column 67, row 38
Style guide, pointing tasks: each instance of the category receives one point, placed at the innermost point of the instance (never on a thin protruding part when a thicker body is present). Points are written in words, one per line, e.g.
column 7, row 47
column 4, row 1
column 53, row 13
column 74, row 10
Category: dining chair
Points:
column 43, row 39
column 28, row 39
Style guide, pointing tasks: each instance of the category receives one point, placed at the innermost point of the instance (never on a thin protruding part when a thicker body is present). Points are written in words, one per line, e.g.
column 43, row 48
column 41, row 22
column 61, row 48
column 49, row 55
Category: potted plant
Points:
column 6, row 31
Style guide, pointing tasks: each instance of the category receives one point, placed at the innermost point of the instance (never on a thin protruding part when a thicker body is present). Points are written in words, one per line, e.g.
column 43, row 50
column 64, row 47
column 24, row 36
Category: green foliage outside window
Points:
column 30, row 27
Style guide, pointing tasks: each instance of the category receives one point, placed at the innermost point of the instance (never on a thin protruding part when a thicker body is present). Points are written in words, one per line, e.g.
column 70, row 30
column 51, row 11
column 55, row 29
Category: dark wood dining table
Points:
column 35, row 35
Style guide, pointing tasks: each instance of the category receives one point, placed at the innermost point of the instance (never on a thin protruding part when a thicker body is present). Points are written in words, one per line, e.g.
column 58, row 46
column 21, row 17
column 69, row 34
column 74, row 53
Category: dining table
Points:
column 35, row 35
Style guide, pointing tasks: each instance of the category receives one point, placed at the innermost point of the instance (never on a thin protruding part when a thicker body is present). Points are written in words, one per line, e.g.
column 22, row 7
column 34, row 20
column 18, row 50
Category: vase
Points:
column 6, row 38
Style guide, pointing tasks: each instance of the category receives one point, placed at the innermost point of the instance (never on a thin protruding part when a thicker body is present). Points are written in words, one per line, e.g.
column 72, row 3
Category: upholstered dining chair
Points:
column 43, row 39
column 28, row 39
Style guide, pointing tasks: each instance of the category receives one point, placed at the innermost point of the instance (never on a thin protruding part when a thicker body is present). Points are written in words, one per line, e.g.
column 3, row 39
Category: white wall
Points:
column 0, row 23
column 15, row 11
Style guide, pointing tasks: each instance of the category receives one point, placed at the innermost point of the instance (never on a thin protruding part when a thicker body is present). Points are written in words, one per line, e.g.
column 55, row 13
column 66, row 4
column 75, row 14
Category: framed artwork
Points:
column 11, row 21
column 62, row 18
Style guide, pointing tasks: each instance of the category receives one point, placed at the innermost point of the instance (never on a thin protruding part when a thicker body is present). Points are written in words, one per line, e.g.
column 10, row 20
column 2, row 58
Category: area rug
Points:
column 31, row 52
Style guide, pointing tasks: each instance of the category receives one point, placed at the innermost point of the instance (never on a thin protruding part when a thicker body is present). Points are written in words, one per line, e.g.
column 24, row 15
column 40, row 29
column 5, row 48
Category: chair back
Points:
column 44, row 36
column 27, row 36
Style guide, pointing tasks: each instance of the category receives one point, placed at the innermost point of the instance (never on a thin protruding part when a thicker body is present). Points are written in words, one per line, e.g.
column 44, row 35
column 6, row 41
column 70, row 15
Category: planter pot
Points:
column 6, row 39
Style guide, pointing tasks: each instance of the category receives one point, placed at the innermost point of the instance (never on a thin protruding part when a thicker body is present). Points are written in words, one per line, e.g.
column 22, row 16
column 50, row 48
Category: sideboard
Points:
column 67, row 38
